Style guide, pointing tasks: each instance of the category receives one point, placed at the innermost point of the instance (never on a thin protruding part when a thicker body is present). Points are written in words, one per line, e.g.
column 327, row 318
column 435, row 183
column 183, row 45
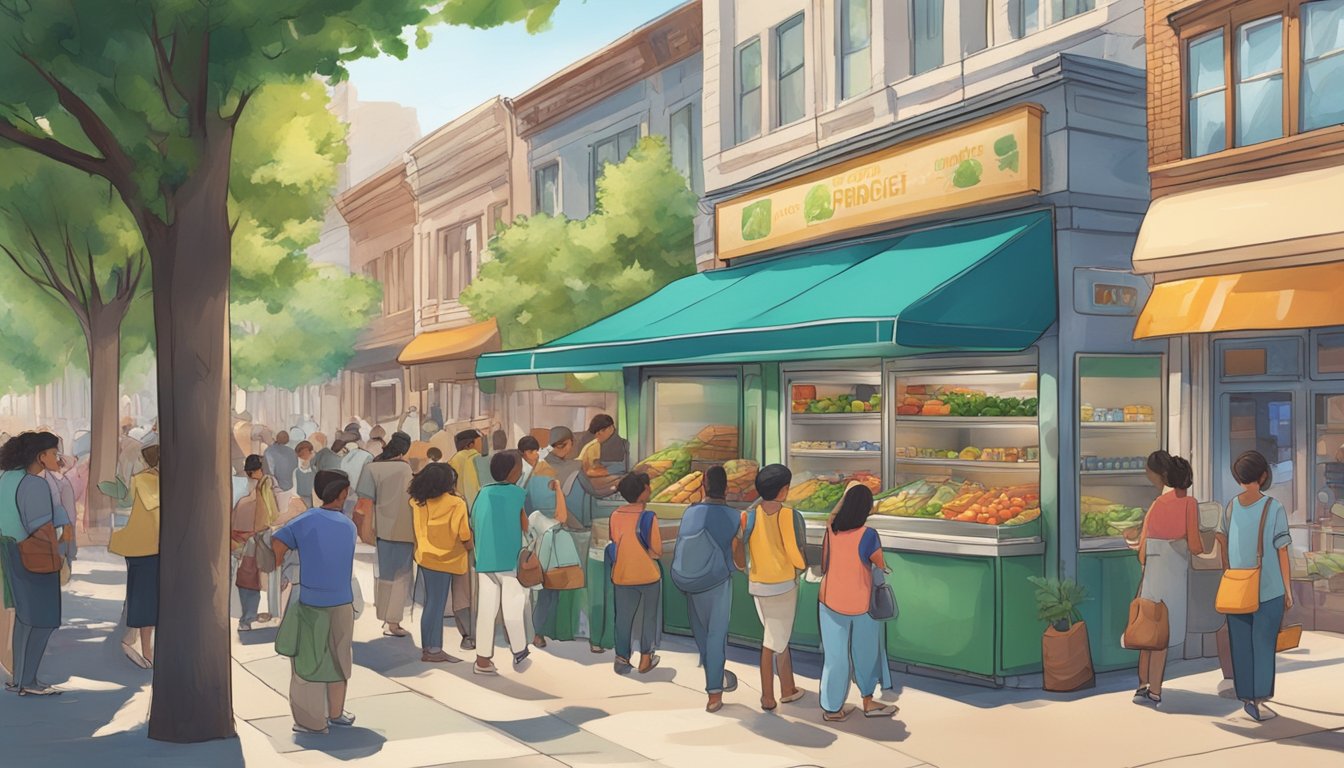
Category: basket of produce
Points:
column 741, row 480
column 688, row 490
column 666, row 467
column 717, row 442
column 1102, row 517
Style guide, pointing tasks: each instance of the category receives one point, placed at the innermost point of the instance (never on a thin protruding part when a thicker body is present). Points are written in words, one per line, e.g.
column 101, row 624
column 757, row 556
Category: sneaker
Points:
column 345, row 720
column 1141, row 694
column 309, row 731
column 521, row 656
column 389, row 631
column 468, row 644
column 264, row 617
column 41, row 690
column 621, row 666
column 491, row 670
column 1253, row 710
column 438, row 657
column 729, row 682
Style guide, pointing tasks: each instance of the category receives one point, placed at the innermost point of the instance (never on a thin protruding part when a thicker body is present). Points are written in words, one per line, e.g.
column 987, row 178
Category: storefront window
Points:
column 1260, row 81
column 1324, row 540
column 1322, row 64
column 694, row 422
column 1277, row 358
column 1119, row 423
column 1330, row 354
column 1207, row 95
column 833, row 434
column 1263, row 421
column 965, row 449
column 856, row 40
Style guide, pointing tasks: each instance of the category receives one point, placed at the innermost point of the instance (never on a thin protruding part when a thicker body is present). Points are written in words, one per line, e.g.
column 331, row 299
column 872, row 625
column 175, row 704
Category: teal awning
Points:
column 987, row 285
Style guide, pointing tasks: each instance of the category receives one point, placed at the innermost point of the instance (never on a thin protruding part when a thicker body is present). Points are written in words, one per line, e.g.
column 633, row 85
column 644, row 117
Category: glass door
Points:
column 1264, row 422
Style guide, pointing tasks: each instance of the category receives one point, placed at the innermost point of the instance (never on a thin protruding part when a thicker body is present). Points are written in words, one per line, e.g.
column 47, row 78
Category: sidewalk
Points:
column 566, row 707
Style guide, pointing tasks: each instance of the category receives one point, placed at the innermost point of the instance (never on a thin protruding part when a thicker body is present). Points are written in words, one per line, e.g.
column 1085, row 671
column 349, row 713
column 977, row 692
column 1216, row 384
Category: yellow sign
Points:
column 992, row 159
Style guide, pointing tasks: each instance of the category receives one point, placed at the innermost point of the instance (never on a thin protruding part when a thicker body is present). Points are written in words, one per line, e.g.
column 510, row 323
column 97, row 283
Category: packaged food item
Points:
column 1012, row 455
column 1086, row 412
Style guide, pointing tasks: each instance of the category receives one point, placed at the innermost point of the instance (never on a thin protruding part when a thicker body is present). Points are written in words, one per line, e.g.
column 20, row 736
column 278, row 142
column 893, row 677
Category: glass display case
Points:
column 1121, row 420
column 964, row 454
column 832, row 435
column 693, row 421
column 1324, row 531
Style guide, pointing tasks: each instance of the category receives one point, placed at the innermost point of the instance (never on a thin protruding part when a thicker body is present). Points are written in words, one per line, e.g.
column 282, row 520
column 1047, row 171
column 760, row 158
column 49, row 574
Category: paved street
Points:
column 567, row 708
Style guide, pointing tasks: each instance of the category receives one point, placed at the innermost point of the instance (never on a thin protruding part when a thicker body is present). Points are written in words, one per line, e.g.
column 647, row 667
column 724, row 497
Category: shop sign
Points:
column 1108, row 292
column 992, row 159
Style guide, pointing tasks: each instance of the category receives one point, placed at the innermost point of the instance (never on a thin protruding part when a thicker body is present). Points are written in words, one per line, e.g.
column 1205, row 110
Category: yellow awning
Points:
column 1273, row 299
column 1288, row 220
column 448, row 355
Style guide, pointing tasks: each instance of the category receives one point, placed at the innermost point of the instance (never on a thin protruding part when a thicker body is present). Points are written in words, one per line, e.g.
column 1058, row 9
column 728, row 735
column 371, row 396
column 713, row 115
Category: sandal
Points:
column 795, row 696
column 885, row 710
column 773, row 706
column 714, row 706
column 653, row 662
column 836, row 717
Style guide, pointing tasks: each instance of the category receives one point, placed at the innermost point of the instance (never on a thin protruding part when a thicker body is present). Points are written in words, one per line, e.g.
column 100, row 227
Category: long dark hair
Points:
column 20, row 451
column 433, row 481
column 854, row 509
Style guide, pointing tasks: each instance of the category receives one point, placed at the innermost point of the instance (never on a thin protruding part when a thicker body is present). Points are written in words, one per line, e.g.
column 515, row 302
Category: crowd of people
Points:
column 495, row 535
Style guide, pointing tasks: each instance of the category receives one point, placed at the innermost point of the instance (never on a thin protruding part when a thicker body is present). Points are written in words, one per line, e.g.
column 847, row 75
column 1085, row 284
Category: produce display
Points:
column 1324, row 565
column 715, row 443
column 1128, row 413
column 666, row 467
column 836, row 404
column 971, row 453
column 835, row 445
column 922, row 400
column 822, row 493
column 688, row 490
column 963, row 501
column 1102, row 517
column 741, row 479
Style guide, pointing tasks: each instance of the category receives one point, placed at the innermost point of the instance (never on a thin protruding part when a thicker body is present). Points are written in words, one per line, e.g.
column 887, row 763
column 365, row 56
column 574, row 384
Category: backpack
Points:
column 643, row 531
column 698, row 563
column 799, row 532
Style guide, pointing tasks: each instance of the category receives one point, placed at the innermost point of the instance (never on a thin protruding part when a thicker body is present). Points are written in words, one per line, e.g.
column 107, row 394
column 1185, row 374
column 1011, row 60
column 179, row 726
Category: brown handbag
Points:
column 529, row 568
column 249, row 576
column 564, row 577
column 1148, row 628
column 40, row 552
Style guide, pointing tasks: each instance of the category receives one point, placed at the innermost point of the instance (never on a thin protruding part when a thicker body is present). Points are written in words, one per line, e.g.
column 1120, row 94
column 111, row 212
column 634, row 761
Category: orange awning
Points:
column 448, row 355
column 1273, row 299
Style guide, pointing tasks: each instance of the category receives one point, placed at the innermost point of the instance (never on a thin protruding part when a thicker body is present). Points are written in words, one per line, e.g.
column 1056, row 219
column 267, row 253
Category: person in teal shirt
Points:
column 498, row 522
column 1253, row 636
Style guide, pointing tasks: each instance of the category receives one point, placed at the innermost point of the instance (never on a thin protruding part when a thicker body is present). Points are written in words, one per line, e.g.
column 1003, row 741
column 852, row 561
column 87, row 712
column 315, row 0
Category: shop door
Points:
column 1267, row 422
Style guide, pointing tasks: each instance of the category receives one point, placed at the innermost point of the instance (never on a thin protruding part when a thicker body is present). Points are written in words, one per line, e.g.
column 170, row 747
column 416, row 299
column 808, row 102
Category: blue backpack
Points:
column 643, row 532
column 698, row 563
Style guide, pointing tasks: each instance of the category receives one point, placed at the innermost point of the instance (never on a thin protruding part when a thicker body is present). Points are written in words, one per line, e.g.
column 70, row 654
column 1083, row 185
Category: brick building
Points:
column 1245, row 247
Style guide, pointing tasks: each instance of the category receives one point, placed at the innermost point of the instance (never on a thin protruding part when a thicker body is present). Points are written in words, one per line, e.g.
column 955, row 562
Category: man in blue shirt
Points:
column 710, row 609
column 325, row 540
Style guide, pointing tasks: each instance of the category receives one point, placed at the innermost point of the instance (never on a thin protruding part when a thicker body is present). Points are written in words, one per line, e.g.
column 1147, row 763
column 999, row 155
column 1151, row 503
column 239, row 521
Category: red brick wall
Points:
column 1165, row 141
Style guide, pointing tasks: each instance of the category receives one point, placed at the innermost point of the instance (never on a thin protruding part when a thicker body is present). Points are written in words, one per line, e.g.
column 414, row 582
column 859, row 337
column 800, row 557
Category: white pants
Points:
column 496, row 592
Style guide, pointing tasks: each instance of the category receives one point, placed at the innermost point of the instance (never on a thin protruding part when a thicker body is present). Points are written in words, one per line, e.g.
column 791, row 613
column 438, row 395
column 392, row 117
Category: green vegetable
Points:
column 756, row 220
column 817, row 205
column 1005, row 145
column 991, row 412
column 1009, row 162
column 967, row 174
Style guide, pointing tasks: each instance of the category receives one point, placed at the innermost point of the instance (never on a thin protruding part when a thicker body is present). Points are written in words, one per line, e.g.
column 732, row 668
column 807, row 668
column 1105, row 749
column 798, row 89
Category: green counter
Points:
column 1111, row 580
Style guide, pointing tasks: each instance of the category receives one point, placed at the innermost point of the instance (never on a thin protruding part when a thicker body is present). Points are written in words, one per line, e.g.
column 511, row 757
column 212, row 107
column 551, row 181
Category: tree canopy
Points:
column 549, row 276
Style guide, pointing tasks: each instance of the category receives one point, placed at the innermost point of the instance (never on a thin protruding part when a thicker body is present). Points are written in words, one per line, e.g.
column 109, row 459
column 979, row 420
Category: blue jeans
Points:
column 250, row 601
column 1253, row 637
column 848, row 642
column 644, row 599
column 548, row 600
column 710, row 611
column 438, row 585
column 30, row 644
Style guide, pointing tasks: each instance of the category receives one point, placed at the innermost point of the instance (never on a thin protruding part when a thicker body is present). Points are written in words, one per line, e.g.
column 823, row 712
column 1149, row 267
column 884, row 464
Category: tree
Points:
column 69, row 235
column 157, row 89
column 549, row 276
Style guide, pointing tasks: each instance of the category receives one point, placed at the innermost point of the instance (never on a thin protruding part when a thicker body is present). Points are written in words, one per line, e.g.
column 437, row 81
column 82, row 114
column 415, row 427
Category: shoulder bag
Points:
column 1149, row 627
column 1239, row 591
column 40, row 552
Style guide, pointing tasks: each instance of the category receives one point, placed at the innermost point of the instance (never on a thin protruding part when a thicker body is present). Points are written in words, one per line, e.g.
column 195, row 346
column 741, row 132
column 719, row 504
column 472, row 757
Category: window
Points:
column 926, row 30
column 390, row 272
column 546, row 189
column 1067, row 9
column 457, row 260
column 499, row 216
column 612, row 149
column 1024, row 17
column 749, row 91
column 1259, row 81
column 856, row 44
column 790, row 84
column 1322, row 64
column 403, row 272
column 1207, row 95
column 685, row 146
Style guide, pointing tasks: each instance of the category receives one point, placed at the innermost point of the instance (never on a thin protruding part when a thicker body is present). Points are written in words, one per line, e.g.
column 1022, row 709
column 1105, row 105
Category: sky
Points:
column 463, row 67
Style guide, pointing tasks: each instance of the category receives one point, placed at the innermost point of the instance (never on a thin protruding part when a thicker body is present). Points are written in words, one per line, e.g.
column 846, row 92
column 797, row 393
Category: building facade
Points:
column 380, row 212
column 1245, row 248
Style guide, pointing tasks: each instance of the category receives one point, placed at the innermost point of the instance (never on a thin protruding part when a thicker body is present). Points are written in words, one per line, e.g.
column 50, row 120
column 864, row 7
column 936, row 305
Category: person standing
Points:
column 255, row 513
column 469, row 443
column 1170, row 537
column 851, row 640
column 318, row 630
column 442, row 540
column 704, row 563
column 25, row 509
column 635, row 575
column 138, row 542
column 549, row 515
column 282, row 462
column 353, row 463
column 498, row 522
column 384, row 492
column 773, row 564
column 1256, row 527
column 304, row 473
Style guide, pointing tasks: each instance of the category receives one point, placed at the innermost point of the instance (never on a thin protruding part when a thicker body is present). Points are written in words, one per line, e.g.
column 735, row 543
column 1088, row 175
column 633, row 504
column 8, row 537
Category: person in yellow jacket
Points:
column 464, row 462
column 442, row 547
column 773, row 564
column 138, row 542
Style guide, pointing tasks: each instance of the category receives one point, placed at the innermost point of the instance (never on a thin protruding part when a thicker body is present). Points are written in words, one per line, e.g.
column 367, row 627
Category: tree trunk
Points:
column 192, row 698
column 103, row 337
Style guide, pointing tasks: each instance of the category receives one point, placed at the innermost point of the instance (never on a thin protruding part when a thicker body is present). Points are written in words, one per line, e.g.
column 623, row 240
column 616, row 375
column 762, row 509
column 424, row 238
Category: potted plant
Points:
column 1066, row 655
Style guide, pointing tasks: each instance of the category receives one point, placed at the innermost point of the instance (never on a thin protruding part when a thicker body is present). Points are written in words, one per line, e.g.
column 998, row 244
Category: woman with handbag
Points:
column 1170, row 537
column 442, row 544
column 851, row 639
column 1255, row 590
column 29, row 551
